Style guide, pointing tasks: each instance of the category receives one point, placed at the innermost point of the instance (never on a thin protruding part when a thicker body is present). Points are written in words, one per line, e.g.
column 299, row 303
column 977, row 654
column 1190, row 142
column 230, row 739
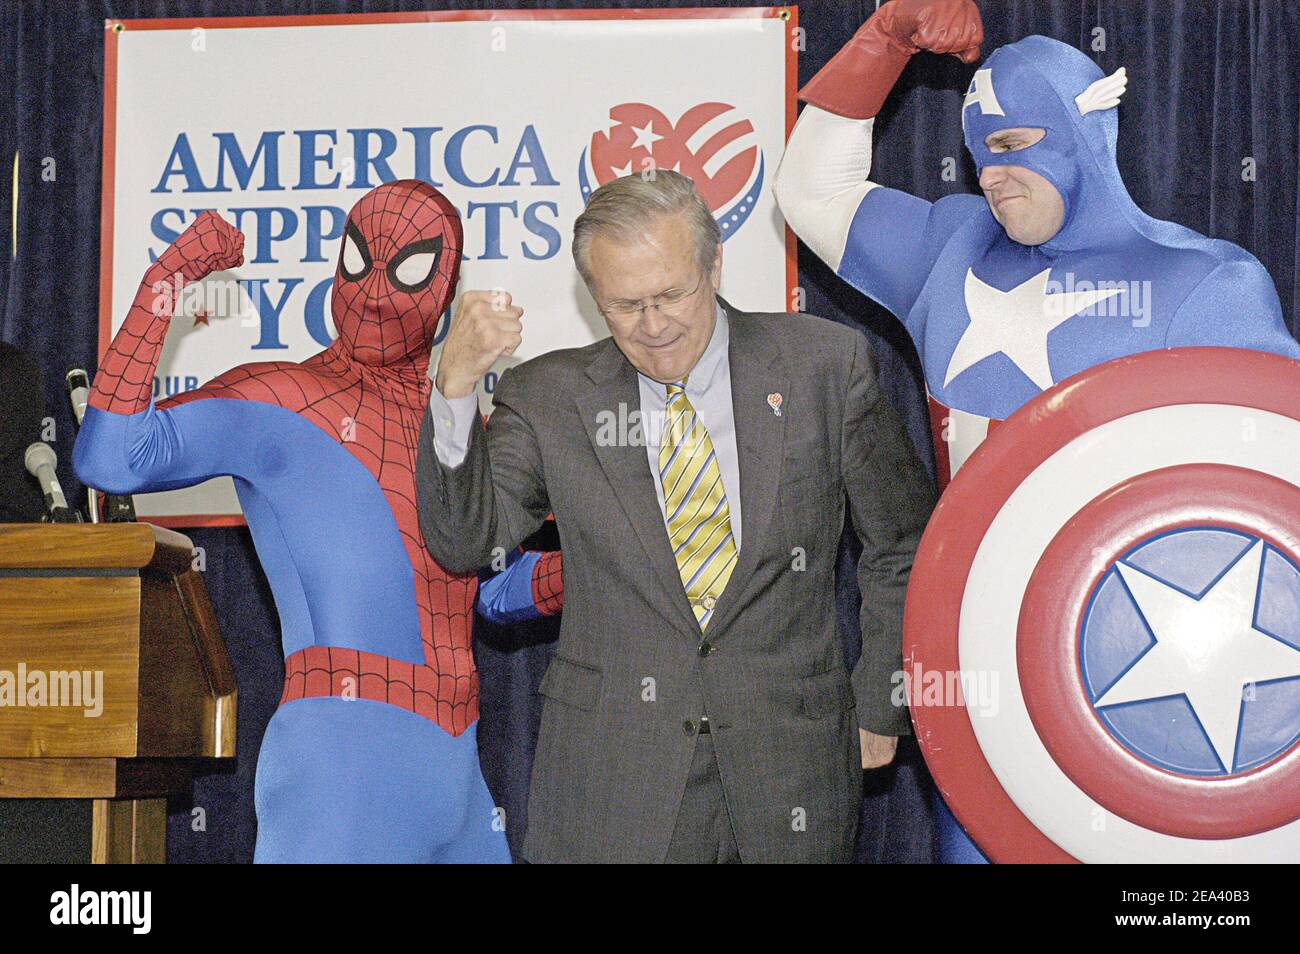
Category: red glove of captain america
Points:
column 859, row 77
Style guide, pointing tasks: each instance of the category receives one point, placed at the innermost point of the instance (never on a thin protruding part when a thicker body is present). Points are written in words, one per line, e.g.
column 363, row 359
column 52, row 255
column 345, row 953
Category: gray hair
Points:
column 623, row 207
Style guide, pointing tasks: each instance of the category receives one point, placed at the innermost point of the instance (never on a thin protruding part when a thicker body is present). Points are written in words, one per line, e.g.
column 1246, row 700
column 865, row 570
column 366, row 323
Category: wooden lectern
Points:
column 114, row 682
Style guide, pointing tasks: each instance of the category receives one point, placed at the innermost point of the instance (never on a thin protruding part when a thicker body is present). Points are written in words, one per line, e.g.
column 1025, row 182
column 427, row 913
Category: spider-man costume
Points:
column 990, row 329
column 372, row 755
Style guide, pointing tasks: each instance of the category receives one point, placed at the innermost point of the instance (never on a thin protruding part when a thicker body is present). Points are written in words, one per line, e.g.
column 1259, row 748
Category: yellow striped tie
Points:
column 695, row 502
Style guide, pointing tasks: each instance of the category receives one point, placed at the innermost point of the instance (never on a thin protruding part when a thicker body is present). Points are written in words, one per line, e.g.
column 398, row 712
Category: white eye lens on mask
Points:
column 414, row 265
column 354, row 263
column 415, row 270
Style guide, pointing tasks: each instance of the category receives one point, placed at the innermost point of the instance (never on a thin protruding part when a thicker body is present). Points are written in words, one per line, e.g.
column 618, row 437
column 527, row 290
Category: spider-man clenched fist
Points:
column 372, row 754
column 210, row 244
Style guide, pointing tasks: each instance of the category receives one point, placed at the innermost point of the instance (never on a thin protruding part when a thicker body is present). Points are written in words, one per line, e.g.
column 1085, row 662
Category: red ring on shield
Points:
column 1124, row 386
column 1051, row 620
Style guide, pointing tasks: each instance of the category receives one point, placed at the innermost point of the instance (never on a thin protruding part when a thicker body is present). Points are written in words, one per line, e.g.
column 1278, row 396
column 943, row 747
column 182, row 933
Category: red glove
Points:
column 859, row 77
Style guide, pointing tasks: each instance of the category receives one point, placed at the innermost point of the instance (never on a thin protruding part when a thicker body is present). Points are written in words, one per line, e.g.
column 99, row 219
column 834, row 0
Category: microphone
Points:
column 118, row 508
column 78, row 392
column 39, row 460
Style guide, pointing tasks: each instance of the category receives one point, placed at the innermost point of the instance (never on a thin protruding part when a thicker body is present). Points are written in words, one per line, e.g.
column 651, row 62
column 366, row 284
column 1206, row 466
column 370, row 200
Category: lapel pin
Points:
column 774, row 402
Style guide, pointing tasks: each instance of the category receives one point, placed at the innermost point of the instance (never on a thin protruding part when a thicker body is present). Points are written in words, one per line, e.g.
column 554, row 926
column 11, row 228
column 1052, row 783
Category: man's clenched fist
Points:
column 485, row 327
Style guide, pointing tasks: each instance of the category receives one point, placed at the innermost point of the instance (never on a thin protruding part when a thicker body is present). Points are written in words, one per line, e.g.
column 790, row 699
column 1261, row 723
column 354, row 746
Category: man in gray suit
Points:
column 697, row 463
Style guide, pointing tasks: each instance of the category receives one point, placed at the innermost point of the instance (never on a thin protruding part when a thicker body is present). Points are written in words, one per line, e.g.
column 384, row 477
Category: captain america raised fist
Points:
column 857, row 80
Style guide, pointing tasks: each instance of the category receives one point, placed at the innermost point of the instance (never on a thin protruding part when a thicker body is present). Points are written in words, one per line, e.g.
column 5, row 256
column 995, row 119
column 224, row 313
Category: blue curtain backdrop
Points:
column 1211, row 83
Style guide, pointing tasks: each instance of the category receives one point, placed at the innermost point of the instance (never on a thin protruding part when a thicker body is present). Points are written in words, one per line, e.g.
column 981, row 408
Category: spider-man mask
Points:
column 397, row 271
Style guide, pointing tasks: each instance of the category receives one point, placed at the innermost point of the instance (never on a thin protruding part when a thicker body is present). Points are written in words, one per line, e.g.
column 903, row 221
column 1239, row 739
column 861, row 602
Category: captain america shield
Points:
column 1102, row 634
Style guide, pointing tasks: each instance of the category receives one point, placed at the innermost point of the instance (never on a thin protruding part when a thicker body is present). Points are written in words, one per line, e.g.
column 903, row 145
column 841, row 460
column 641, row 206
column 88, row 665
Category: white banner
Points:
column 281, row 124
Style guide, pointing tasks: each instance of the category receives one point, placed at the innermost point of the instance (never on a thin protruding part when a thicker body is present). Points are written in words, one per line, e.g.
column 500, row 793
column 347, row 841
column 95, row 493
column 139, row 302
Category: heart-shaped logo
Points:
column 774, row 402
column 714, row 144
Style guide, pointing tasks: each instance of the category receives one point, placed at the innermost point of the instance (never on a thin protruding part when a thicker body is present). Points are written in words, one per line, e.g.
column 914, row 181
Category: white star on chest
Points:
column 1207, row 649
column 1016, row 323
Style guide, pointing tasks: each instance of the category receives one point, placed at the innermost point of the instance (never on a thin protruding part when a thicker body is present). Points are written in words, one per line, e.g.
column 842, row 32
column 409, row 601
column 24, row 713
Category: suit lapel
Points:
column 760, row 446
column 613, row 381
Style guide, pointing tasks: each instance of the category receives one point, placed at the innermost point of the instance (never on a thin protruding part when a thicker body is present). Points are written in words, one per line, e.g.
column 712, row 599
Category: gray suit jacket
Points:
column 631, row 677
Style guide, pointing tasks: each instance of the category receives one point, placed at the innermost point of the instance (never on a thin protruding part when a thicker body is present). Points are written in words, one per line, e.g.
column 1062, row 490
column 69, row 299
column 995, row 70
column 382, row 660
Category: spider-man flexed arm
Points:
column 124, row 384
column 126, row 444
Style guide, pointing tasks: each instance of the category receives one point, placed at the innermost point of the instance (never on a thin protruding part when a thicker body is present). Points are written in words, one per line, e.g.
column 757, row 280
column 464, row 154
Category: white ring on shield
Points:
column 1052, row 493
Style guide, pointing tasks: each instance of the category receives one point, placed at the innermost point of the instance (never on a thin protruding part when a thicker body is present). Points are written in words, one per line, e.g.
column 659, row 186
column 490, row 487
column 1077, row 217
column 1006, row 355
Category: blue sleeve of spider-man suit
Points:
column 507, row 597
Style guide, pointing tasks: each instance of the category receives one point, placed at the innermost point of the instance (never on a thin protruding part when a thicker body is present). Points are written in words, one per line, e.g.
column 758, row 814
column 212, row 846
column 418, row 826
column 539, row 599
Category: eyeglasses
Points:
column 670, row 304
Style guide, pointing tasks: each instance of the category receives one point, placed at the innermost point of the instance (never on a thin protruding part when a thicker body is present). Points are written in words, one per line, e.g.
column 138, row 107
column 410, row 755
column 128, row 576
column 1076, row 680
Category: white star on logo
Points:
column 646, row 136
column 1016, row 323
column 1207, row 649
column 620, row 171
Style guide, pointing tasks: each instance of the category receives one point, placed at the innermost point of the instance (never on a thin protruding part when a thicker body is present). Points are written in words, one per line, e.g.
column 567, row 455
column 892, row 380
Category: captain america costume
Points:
column 996, row 322
column 372, row 754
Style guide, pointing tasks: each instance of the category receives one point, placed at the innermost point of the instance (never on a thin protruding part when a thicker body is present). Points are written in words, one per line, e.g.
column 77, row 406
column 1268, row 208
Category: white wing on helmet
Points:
column 1103, row 94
